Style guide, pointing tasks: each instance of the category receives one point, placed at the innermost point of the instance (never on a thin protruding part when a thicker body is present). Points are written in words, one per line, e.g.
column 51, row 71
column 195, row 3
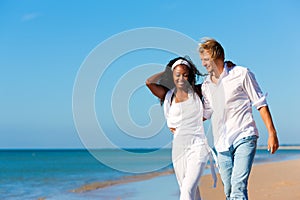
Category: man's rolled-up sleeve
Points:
column 258, row 99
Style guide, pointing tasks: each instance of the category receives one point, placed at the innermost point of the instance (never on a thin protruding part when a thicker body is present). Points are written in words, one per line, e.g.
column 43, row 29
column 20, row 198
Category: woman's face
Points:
column 180, row 76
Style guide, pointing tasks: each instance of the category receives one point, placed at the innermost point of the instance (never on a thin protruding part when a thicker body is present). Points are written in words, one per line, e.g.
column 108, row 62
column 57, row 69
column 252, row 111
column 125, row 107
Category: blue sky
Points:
column 43, row 45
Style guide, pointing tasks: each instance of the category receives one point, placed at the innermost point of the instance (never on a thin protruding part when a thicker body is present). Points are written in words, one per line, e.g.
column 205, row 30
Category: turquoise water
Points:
column 32, row 174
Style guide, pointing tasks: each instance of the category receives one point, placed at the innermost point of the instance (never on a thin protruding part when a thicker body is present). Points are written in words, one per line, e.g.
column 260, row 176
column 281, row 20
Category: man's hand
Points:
column 273, row 143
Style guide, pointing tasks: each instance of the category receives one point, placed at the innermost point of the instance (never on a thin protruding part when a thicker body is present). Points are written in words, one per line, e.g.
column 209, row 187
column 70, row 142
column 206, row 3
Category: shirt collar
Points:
column 225, row 71
column 223, row 74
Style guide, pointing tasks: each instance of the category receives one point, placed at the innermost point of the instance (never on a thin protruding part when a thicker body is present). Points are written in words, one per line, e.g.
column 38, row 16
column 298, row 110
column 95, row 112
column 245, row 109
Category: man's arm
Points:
column 273, row 143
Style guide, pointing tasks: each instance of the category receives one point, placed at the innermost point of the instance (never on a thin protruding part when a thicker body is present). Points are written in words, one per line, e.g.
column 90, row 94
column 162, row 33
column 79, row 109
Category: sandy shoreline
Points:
column 128, row 179
column 276, row 181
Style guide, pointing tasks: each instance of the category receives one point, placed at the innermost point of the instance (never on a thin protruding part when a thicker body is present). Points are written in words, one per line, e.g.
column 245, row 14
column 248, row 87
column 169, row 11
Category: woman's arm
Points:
column 157, row 90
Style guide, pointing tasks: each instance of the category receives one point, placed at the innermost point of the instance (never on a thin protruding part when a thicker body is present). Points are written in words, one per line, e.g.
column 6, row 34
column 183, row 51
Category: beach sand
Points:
column 270, row 181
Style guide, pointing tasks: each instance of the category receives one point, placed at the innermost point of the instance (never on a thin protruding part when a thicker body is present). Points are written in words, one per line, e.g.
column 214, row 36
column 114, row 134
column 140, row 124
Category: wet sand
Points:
column 128, row 179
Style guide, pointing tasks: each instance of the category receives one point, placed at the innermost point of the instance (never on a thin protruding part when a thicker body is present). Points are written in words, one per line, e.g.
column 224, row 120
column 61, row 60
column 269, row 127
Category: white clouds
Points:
column 30, row 16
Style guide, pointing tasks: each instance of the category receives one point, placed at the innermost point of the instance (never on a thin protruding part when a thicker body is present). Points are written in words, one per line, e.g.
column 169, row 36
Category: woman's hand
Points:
column 172, row 130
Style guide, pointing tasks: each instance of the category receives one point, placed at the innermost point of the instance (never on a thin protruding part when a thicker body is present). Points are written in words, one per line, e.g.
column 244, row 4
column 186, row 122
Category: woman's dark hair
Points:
column 167, row 81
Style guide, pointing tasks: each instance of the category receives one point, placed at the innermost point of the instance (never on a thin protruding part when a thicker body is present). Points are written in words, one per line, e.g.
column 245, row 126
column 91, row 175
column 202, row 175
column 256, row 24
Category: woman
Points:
column 176, row 89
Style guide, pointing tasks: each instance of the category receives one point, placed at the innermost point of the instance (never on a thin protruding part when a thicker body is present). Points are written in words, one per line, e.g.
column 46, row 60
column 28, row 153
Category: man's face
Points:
column 207, row 61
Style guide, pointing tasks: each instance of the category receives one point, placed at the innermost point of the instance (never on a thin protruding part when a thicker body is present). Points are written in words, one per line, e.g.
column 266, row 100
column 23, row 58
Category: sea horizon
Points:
column 282, row 146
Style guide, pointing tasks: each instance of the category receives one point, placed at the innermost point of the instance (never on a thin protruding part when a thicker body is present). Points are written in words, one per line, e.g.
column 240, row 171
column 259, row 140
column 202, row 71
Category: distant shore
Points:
column 294, row 147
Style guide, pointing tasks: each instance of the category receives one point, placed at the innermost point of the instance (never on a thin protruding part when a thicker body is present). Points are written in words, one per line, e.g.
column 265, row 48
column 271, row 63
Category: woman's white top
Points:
column 186, row 117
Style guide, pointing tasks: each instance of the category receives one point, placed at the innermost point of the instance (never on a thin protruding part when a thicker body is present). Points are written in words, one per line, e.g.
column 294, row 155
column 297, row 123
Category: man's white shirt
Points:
column 229, row 105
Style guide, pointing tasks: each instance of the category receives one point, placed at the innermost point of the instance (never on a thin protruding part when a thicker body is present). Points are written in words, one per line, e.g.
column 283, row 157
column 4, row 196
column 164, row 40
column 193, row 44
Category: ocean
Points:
column 54, row 174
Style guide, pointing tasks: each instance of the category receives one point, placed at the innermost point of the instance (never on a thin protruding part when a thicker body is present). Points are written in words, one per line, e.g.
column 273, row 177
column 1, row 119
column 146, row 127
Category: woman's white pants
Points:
column 189, row 165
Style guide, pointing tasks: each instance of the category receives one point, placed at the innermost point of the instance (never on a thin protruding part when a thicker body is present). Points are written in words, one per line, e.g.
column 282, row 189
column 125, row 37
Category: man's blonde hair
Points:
column 213, row 47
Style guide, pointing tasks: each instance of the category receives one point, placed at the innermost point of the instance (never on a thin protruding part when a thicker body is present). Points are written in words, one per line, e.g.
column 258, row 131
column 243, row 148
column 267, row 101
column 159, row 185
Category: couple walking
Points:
column 226, row 97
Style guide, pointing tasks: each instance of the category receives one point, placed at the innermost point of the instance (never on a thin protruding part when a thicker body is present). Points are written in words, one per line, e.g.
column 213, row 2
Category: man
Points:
column 229, row 92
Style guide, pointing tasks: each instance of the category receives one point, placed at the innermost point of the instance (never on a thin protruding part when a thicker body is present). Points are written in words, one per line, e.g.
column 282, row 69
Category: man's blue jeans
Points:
column 235, row 166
